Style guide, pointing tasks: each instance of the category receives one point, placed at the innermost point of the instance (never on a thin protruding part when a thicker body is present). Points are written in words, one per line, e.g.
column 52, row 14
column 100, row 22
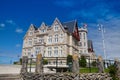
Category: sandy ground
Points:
column 15, row 69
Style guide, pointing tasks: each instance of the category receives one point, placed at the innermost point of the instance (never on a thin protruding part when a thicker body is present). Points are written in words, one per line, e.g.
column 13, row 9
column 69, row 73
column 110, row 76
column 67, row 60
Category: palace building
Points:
column 57, row 40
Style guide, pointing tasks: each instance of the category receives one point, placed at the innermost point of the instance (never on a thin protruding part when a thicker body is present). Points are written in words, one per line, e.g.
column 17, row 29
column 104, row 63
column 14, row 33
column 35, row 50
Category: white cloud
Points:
column 112, row 37
column 10, row 21
column 2, row 25
column 18, row 30
column 18, row 45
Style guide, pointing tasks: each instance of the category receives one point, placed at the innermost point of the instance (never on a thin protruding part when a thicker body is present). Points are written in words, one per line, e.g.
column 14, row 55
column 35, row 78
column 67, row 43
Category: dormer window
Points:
column 43, row 30
column 56, row 27
column 31, row 33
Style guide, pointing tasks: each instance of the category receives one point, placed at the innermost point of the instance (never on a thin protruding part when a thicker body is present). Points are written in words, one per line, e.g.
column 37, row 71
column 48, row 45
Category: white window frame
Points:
column 49, row 51
column 56, row 38
column 56, row 27
column 30, row 42
column 49, row 39
column 56, row 51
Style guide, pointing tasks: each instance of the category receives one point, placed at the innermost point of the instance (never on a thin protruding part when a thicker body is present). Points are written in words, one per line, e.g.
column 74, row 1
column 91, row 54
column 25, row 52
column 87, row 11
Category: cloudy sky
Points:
column 17, row 15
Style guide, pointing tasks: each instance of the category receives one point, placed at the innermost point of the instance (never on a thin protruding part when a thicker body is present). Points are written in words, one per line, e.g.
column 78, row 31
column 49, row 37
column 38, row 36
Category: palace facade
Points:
column 57, row 40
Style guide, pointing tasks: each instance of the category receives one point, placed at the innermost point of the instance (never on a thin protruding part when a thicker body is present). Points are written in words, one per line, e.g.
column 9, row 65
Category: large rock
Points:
column 75, row 66
column 39, row 64
column 100, row 65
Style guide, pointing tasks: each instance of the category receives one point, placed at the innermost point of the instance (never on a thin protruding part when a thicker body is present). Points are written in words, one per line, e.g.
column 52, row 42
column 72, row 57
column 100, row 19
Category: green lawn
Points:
column 88, row 70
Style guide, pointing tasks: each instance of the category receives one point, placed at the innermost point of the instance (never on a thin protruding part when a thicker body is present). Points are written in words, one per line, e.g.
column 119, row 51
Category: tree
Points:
column 94, row 63
column 45, row 61
column 82, row 61
column 20, row 61
column 69, row 59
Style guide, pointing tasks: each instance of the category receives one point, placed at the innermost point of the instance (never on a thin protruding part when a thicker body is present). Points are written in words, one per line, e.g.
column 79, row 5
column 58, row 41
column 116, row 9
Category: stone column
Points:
column 100, row 64
column 24, row 64
column 39, row 64
column 75, row 66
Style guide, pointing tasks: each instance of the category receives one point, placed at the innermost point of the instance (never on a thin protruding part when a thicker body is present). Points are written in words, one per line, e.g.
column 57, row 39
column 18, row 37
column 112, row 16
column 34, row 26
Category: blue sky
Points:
column 17, row 15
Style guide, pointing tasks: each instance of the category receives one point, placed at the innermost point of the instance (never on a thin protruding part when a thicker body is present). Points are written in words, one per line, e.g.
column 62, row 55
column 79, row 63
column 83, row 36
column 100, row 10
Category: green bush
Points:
column 15, row 62
column 69, row 59
column 94, row 63
column 112, row 71
column 45, row 61
column 20, row 61
column 82, row 62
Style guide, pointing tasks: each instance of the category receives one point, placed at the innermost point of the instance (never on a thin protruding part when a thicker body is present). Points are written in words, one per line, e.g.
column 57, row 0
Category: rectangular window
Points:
column 37, row 50
column 30, row 42
column 56, row 51
column 56, row 38
column 43, row 30
column 31, row 33
column 84, row 35
column 50, row 39
column 49, row 51
column 84, row 44
column 35, row 40
column 80, row 44
column 41, row 40
column 56, row 27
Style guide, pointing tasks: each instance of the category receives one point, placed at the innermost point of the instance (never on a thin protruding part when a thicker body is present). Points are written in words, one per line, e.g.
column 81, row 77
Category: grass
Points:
column 88, row 70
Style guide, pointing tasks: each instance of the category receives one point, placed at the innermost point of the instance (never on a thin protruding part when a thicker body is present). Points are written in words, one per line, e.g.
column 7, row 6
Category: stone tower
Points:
column 85, row 45
column 83, row 49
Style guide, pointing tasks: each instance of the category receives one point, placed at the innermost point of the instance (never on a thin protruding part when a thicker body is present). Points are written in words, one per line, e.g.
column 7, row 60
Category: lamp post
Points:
column 102, row 29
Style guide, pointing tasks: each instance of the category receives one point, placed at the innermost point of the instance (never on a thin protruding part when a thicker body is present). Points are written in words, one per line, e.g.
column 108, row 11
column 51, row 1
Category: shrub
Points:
column 45, row 61
column 82, row 61
column 69, row 59
column 94, row 63
column 112, row 71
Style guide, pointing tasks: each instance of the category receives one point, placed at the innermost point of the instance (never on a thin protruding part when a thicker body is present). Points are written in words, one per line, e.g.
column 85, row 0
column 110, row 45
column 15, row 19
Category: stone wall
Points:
column 66, row 76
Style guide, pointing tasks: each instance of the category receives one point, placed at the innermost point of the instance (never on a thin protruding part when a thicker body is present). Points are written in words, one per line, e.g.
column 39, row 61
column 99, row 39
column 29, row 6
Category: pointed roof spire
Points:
column 33, row 26
column 43, row 24
column 56, row 19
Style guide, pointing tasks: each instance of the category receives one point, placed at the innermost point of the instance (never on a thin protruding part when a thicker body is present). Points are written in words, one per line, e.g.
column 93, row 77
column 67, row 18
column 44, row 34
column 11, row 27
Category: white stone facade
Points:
column 51, row 41
column 83, row 44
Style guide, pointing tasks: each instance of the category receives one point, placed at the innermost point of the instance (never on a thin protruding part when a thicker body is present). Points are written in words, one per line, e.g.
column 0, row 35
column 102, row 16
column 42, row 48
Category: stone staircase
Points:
column 10, row 77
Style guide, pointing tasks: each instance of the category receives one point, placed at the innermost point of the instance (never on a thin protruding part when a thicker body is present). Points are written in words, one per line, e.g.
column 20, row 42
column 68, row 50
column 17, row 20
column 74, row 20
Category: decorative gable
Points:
column 56, row 26
column 43, row 27
column 30, row 31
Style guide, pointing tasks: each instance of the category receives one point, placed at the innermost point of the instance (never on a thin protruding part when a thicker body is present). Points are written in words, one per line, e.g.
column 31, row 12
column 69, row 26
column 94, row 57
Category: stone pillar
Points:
column 75, row 66
column 117, row 67
column 100, row 64
column 24, row 64
column 39, row 64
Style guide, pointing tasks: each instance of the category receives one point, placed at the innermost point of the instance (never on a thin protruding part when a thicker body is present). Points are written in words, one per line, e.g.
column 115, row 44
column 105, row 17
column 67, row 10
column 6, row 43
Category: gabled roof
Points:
column 33, row 26
column 90, row 46
column 69, row 25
